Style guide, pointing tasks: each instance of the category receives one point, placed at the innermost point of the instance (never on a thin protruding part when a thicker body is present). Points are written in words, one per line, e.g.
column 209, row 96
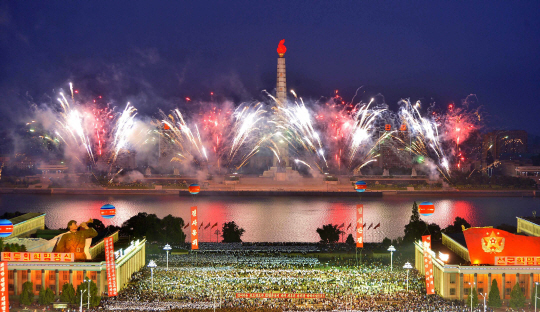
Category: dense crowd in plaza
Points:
column 204, row 280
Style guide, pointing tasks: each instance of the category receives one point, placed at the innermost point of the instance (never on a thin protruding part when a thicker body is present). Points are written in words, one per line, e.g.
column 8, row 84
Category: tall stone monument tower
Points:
column 281, row 96
column 281, row 86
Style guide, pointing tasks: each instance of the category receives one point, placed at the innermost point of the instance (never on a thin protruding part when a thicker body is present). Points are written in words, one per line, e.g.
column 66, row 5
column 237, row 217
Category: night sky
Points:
column 156, row 53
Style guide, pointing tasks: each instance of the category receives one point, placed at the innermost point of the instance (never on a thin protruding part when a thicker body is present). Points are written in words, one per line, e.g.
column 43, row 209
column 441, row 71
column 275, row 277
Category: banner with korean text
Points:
column 4, row 299
column 194, row 230
column 359, row 226
column 428, row 264
column 111, row 267
column 38, row 256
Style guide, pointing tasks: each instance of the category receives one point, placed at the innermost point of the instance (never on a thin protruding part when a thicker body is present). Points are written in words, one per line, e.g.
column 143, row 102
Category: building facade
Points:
column 513, row 259
column 54, row 275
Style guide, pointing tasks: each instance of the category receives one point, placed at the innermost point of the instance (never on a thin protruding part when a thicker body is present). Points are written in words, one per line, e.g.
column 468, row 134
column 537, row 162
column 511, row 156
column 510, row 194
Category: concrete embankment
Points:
column 264, row 193
column 209, row 193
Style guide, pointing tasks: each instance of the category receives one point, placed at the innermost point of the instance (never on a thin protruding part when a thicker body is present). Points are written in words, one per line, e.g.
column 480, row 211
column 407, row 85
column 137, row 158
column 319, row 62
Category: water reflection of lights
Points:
column 271, row 219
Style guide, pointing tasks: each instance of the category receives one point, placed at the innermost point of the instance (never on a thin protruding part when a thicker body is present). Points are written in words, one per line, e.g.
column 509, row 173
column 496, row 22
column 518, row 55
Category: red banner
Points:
column 428, row 264
column 194, row 230
column 111, row 267
column 38, row 256
column 359, row 226
column 280, row 295
column 4, row 299
column 485, row 245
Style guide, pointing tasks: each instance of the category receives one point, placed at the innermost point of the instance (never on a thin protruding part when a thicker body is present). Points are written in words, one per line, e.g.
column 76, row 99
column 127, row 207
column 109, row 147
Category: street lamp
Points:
column 535, row 295
column 470, row 292
column 407, row 266
column 152, row 265
column 391, row 249
column 484, row 295
column 86, row 279
column 167, row 248
column 80, row 307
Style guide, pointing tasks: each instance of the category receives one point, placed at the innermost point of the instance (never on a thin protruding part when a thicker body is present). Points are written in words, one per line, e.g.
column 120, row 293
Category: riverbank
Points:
column 274, row 192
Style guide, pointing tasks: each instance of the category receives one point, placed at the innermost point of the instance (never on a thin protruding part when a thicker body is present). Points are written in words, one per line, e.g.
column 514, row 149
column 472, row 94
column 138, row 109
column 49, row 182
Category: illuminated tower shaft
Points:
column 281, row 96
column 281, row 86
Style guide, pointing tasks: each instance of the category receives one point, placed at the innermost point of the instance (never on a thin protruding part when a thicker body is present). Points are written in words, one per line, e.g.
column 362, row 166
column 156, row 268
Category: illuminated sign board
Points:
column 517, row 260
column 497, row 247
column 280, row 295
column 38, row 256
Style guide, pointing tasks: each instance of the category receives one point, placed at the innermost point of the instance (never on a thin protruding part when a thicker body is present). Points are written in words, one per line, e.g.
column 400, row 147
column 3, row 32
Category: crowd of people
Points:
column 206, row 280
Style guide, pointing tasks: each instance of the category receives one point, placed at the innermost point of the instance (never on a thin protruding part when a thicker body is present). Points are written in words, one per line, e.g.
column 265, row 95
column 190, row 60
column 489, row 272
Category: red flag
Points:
column 359, row 227
column 364, row 225
column 111, row 267
column 215, row 224
column 349, row 226
column 370, row 226
column 4, row 289
column 185, row 227
column 376, row 226
column 194, row 231
column 342, row 225
column 428, row 264
column 202, row 223
column 207, row 226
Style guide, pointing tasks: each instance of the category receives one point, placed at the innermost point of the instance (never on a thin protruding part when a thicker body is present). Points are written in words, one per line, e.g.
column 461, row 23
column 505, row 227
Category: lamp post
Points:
column 470, row 292
column 86, row 279
column 80, row 307
column 152, row 265
column 391, row 249
column 407, row 266
column 484, row 295
column 535, row 295
column 167, row 248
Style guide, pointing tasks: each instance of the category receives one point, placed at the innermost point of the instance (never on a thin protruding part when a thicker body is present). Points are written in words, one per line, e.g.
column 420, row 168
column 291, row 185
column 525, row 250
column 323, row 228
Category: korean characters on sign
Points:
column 359, row 226
column 194, row 231
column 428, row 264
column 38, row 256
column 4, row 299
column 517, row 260
column 111, row 267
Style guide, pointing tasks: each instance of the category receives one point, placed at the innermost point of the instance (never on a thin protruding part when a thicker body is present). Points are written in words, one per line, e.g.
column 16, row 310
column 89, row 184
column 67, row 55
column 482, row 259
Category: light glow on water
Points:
column 276, row 219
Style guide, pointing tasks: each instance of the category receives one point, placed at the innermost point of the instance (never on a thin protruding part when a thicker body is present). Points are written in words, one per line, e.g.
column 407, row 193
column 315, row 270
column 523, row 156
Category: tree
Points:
column 143, row 224
column 97, row 225
column 457, row 226
column 416, row 228
column 494, row 297
column 94, row 298
column 68, row 293
column 49, row 295
column 329, row 233
column 474, row 295
column 350, row 240
column 231, row 233
column 27, row 295
column 172, row 228
column 386, row 242
column 46, row 296
column 517, row 298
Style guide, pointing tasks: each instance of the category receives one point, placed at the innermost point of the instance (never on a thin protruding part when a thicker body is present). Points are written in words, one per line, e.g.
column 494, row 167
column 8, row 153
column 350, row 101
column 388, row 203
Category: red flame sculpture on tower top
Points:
column 281, row 49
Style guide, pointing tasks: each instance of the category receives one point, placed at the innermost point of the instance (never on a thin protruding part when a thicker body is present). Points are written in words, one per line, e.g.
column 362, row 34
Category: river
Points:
column 276, row 219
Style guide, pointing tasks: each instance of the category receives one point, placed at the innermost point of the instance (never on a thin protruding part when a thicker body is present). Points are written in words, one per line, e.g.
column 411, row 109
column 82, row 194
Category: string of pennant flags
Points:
column 370, row 226
column 202, row 224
